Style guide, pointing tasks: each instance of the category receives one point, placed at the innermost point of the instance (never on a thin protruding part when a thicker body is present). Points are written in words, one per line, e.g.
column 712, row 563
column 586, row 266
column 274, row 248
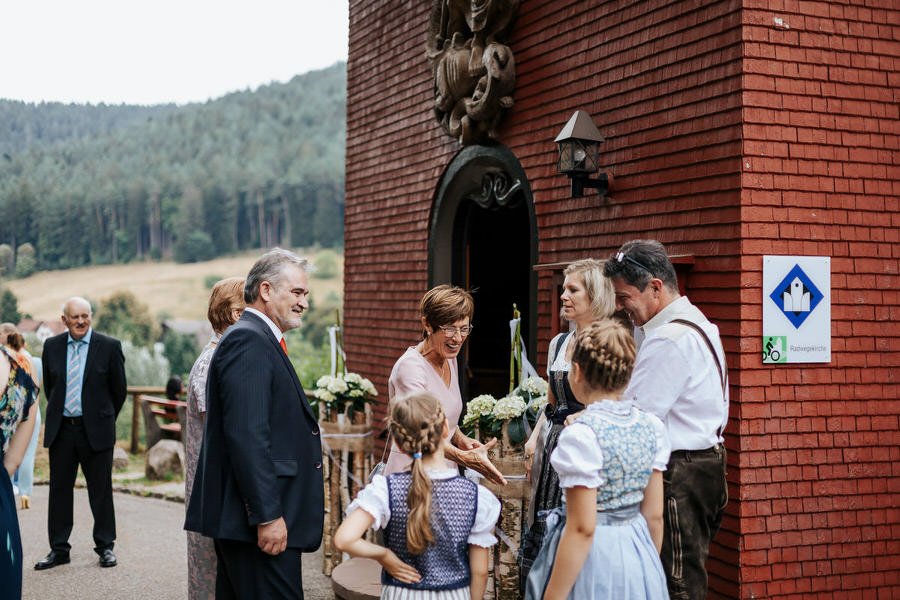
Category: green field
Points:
column 170, row 290
column 176, row 291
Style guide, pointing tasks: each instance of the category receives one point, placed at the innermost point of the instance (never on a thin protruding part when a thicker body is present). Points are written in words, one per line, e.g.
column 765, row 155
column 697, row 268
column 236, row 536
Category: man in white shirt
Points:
column 679, row 376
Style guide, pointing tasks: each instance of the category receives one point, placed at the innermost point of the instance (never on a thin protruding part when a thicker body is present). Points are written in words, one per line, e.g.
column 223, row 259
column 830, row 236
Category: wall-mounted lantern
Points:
column 579, row 143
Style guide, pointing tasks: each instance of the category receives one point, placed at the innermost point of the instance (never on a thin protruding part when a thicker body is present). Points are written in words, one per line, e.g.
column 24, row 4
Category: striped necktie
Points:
column 73, row 381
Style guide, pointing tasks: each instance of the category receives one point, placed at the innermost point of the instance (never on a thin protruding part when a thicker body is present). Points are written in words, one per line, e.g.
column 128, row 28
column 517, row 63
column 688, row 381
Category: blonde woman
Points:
column 18, row 405
column 587, row 297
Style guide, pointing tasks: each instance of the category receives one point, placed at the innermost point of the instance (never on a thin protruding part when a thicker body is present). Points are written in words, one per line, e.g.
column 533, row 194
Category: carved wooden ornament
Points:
column 474, row 71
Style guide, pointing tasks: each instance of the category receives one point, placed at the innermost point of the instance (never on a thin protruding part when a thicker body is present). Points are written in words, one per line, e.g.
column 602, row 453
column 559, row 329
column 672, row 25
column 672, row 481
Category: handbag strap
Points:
column 723, row 374
column 387, row 444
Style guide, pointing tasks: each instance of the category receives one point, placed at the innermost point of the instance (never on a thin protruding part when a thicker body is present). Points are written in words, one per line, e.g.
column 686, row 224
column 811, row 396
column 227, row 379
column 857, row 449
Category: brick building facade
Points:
column 733, row 130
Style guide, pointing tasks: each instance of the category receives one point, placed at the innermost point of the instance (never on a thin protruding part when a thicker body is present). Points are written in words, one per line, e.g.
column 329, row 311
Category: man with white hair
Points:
column 84, row 378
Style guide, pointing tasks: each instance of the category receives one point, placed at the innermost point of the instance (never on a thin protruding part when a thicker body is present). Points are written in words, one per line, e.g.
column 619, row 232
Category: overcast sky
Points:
column 151, row 52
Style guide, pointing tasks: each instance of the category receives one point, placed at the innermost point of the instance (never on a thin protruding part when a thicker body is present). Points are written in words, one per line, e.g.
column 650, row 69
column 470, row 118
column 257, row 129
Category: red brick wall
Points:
column 395, row 154
column 820, row 443
column 685, row 93
column 662, row 82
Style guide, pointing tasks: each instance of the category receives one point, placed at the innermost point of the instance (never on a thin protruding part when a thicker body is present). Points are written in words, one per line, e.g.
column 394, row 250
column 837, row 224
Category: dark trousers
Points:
column 695, row 495
column 69, row 450
column 247, row 573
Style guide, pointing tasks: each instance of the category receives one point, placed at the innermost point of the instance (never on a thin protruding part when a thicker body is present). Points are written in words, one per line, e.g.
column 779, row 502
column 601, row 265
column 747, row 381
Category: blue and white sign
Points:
column 796, row 309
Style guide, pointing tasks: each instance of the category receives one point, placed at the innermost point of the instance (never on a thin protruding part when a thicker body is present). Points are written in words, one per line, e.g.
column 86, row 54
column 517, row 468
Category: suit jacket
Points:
column 103, row 388
column 261, row 456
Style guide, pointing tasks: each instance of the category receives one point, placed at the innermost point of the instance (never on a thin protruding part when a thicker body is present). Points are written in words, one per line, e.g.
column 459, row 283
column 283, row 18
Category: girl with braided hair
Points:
column 437, row 525
column 610, row 463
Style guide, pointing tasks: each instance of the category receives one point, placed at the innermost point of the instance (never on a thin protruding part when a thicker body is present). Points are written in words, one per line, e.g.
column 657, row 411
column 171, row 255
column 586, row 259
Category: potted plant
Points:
column 344, row 394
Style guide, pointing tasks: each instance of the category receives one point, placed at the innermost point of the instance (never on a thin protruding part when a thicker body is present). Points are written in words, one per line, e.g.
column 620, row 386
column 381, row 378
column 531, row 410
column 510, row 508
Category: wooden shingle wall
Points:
column 733, row 130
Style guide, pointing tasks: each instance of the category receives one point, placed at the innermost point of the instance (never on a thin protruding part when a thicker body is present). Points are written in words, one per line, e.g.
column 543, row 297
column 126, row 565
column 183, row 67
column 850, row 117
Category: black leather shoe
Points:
column 52, row 560
column 107, row 558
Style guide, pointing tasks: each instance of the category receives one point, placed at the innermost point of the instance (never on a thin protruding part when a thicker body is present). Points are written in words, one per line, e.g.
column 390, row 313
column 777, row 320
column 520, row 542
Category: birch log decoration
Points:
column 347, row 446
column 503, row 578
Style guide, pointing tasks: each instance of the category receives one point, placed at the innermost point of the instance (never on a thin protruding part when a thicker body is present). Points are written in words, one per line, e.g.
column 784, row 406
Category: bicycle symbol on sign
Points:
column 774, row 349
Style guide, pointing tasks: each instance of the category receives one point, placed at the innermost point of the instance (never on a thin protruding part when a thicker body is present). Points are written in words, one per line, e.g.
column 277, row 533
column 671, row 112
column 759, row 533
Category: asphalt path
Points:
column 150, row 549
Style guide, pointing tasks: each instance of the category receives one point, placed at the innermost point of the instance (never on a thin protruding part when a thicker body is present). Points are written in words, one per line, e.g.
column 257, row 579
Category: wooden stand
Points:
column 503, row 574
column 351, row 447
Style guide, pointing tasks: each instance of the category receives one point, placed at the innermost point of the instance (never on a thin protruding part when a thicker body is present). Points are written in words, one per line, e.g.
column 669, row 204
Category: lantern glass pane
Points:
column 591, row 152
column 565, row 156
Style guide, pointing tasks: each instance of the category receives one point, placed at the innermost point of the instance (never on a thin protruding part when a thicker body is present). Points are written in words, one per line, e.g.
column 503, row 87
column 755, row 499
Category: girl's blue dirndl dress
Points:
column 613, row 447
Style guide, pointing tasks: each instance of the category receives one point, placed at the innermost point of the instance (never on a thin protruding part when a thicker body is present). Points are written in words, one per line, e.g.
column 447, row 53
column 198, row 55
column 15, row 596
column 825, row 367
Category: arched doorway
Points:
column 483, row 237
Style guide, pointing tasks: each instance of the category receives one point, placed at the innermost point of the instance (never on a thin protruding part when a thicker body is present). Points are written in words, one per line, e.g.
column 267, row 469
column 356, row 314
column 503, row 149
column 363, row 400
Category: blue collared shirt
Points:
column 85, row 343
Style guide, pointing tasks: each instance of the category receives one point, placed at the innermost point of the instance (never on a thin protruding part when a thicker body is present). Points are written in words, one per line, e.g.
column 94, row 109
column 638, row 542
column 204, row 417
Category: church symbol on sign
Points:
column 796, row 296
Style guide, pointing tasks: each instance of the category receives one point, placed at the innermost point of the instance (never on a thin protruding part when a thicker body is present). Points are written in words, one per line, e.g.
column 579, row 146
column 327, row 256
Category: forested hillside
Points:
column 26, row 125
column 251, row 169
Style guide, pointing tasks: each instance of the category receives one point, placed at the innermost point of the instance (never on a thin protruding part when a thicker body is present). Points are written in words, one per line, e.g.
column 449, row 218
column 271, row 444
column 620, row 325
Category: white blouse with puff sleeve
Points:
column 578, row 459
column 374, row 500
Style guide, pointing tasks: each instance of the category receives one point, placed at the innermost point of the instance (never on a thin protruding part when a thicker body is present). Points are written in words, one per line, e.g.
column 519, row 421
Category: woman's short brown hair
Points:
column 227, row 295
column 446, row 304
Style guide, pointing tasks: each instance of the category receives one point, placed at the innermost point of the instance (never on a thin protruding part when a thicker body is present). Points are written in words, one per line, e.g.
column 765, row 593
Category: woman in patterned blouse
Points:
column 17, row 410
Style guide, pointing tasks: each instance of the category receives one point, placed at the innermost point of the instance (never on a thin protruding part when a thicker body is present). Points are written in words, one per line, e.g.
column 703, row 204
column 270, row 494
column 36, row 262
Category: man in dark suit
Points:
column 258, row 487
column 84, row 377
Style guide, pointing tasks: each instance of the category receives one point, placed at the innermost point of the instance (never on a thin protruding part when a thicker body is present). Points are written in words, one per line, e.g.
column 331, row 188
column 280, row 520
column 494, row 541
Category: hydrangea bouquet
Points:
column 348, row 392
column 488, row 415
column 534, row 391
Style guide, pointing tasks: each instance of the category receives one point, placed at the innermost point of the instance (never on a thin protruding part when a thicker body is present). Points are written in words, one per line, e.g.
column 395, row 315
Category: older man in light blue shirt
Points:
column 84, row 373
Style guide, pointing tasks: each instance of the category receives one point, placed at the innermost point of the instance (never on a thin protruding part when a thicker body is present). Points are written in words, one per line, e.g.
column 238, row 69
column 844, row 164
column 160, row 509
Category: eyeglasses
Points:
column 622, row 256
column 452, row 331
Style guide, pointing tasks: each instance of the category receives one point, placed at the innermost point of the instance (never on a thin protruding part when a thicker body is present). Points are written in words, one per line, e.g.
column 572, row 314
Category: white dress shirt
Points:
column 276, row 331
column 676, row 379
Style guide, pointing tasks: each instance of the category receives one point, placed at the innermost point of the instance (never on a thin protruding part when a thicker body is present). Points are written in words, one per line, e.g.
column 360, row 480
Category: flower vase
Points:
column 509, row 450
column 484, row 436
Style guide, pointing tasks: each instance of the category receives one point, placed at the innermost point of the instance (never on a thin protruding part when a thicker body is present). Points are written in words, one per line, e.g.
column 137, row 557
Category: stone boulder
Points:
column 120, row 459
column 166, row 456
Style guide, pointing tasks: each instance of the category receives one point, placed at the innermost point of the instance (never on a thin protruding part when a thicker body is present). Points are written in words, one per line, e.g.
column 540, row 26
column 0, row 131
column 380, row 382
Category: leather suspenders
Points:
column 723, row 372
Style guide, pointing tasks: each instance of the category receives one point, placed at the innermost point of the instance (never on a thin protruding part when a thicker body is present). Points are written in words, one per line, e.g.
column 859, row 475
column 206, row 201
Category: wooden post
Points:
column 136, row 392
column 135, row 422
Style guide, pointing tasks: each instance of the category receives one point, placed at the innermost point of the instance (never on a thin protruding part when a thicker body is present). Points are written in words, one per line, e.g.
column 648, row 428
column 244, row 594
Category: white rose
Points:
column 324, row 395
column 337, row 386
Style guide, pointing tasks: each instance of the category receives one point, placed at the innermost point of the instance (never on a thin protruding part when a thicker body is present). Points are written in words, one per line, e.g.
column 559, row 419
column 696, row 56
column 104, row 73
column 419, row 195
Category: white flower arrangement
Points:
column 348, row 391
column 508, row 408
column 481, row 406
column 518, row 411
column 534, row 386
column 477, row 409
column 538, row 404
